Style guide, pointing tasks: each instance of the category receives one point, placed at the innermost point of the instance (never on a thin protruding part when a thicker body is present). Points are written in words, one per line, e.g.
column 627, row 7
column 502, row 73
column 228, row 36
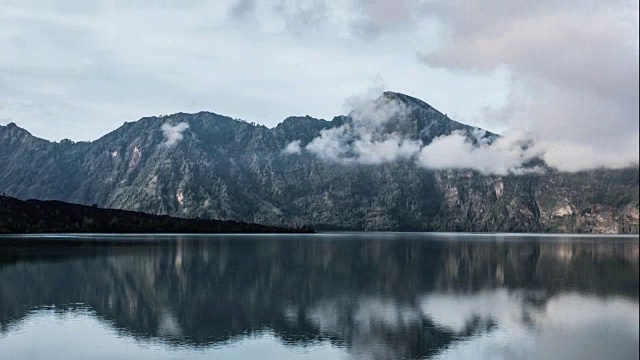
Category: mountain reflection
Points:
column 391, row 296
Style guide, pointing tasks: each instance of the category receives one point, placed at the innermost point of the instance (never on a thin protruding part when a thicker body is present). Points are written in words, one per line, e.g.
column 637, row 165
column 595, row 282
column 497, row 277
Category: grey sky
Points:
column 574, row 70
column 77, row 69
column 566, row 71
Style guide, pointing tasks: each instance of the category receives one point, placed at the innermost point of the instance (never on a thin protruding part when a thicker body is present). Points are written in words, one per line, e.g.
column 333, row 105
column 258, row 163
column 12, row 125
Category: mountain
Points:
column 223, row 168
column 35, row 216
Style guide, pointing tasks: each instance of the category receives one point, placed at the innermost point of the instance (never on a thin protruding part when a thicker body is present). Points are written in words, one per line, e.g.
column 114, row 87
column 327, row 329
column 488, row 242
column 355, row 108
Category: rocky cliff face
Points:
column 228, row 169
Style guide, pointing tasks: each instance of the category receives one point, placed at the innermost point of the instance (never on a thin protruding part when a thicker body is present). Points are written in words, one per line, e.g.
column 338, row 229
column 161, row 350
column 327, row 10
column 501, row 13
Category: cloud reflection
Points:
column 375, row 296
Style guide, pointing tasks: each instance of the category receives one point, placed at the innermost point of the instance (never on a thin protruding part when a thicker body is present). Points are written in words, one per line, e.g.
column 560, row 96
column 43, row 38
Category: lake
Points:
column 320, row 296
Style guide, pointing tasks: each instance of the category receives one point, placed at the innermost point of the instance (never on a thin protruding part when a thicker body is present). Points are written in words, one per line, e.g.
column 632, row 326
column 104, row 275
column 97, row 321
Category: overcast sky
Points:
column 566, row 70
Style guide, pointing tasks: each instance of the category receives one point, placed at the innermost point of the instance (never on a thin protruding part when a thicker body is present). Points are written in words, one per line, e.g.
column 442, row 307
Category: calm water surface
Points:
column 327, row 296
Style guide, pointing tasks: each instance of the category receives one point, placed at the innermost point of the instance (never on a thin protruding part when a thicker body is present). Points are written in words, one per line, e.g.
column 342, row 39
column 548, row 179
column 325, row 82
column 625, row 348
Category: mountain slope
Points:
column 228, row 169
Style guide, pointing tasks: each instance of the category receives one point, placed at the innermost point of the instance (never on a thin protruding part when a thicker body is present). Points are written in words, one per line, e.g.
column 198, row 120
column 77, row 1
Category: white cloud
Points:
column 293, row 148
column 389, row 149
column 506, row 155
column 173, row 134
column 363, row 139
column 366, row 139
column 576, row 156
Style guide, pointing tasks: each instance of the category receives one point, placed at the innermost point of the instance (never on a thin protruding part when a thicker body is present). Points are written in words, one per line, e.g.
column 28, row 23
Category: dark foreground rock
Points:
column 34, row 216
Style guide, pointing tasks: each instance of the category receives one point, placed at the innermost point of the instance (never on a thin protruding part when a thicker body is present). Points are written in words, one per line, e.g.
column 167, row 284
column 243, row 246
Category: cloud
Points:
column 364, row 139
column 368, row 138
column 293, row 148
column 350, row 19
column 506, row 155
column 173, row 134
column 242, row 9
column 573, row 67
column 377, row 17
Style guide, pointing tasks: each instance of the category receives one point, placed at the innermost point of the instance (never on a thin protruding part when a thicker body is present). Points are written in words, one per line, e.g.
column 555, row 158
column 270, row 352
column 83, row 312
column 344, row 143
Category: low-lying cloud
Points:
column 506, row 155
column 363, row 139
column 173, row 134
column 293, row 148
column 366, row 139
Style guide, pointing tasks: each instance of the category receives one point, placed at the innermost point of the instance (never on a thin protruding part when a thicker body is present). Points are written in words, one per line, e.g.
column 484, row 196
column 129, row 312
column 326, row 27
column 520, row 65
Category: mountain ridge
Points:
column 223, row 168
column 406, row 99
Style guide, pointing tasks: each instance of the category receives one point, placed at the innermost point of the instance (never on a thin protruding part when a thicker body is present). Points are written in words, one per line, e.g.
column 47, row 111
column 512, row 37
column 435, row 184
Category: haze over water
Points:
column 344, row 296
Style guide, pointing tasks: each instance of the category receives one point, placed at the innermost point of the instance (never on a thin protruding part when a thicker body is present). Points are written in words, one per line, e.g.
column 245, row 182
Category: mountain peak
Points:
column 415, row 118
column 15, row 129
column 409, row 101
